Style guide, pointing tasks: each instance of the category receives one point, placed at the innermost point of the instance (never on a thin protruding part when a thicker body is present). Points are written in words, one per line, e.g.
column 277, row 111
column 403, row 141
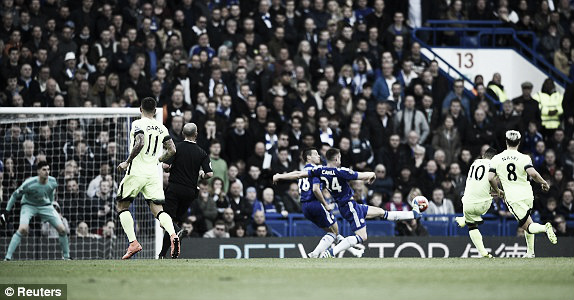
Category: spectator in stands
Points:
column 380, row 126
column 532, row 138
column 105, row 174
column 292, row 199
column 362, row 155
column 398, row 28
column 480, row 12
column 238, row 231
column 566, row 208
column 407, row 74
column 383, row 183
column 188, row 230
column 411, row 228
column 447, row 138
column 272, row 205
column 409, row 119
column 550, row 164
column 83, row 231
column 108, row 230
column 27, row 161
column 562, row 228
column 383, row 84
column 282, row 164
column 218, row 165
column 440, row 205
column 495, row 88
column 261, row 231
column 30, row 87
column 562, row 57
column 550, row 106
column 175, row 130
column 101, row 204
column 9, row 176
column 507, row 120
column 454, row 13
column 456, row 93
column 258, row 219
column 218, row 231
column 228, row 217
column 208, row 205
column 548, row 212
column 251, row 205
column 236, row 200
column 204, row 200
column 480, row 132
column 101, row 95
column 397, row 203
column 429, row 177
column 118, row 43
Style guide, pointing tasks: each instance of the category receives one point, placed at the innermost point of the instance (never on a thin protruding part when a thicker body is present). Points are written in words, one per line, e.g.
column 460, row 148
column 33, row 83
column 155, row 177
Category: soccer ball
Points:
column 421, row 202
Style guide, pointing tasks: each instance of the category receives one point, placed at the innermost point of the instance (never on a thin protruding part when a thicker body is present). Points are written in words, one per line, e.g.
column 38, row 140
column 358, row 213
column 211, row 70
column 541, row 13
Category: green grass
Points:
column 254, row 279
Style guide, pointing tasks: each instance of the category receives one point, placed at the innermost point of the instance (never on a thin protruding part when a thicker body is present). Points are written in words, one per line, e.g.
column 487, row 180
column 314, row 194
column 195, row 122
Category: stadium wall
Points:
column 382, row 247
column 512, row 66
column 294, row 247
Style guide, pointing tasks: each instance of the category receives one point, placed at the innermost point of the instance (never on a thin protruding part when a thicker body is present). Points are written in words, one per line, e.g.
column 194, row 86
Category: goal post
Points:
column 84, row 147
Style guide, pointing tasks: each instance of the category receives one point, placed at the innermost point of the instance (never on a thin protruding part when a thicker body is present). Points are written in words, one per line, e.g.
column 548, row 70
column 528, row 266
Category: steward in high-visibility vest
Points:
column 550, row 108
column 497, row 90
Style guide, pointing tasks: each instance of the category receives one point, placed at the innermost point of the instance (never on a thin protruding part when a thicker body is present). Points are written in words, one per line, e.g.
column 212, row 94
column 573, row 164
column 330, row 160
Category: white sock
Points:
column 324, row 243
column 529, row 242
column 536, row 228
column 166, row 222
column 340, row 238
column 399, row 215
column 354, row 251
column 476, row 238
column 345, row 244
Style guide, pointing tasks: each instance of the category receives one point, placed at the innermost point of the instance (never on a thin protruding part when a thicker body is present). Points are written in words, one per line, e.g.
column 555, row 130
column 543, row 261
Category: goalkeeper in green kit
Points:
column 36, row 195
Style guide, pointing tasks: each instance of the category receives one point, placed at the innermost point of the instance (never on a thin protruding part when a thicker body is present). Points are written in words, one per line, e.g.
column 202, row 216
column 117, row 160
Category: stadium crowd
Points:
column 265, row 79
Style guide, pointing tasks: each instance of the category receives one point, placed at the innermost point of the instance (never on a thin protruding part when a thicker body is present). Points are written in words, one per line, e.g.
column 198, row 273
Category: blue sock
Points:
column 417, row 215
column 65, row 245
column 14, row 242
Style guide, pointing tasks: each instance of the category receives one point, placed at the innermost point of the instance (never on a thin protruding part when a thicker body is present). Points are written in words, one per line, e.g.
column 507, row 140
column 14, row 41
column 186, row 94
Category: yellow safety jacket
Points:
column 499, row 92
column 547, row 104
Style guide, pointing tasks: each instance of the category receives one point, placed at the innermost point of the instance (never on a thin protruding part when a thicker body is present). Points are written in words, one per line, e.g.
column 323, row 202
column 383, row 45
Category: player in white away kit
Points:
column 512, row 168
column 477, row 199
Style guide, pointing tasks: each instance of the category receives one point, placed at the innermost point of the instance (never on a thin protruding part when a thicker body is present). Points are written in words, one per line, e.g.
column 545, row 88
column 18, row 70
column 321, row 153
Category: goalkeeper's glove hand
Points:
column 4, row 218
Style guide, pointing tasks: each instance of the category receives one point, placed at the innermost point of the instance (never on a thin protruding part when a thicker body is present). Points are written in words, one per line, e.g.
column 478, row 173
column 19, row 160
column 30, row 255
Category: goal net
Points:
column 84, row 147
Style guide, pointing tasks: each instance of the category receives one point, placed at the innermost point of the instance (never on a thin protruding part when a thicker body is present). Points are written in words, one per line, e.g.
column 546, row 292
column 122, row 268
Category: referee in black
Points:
column 184, row 173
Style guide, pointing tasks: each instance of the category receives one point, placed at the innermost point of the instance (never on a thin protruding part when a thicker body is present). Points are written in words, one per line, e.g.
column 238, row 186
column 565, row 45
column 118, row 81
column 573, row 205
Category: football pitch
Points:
column 367, row 278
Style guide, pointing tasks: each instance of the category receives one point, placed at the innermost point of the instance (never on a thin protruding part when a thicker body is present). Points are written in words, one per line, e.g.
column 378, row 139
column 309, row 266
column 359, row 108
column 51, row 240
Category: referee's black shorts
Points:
column 178, row 199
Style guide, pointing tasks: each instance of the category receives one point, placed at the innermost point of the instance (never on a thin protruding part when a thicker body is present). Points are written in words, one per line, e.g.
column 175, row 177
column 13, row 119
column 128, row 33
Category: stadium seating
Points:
column 297, row 225
column 280, row 228
column 305, row 228
column 435, row 228
column 488, row 228
column 380, row 228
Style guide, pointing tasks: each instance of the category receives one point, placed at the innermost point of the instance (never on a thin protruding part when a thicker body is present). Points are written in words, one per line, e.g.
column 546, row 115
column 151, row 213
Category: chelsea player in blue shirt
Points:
column 336, row 181
column 316, row 209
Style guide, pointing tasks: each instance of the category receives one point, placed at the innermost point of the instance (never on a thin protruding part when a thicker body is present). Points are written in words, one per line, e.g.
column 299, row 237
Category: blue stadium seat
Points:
column 439, row 228
column 511, row 227
column 380, row 228
column 488, row 228
column 279, row 227
column 306, row 228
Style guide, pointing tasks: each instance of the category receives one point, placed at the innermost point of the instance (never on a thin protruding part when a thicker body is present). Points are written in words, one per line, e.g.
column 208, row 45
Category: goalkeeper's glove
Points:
column 4, row 218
